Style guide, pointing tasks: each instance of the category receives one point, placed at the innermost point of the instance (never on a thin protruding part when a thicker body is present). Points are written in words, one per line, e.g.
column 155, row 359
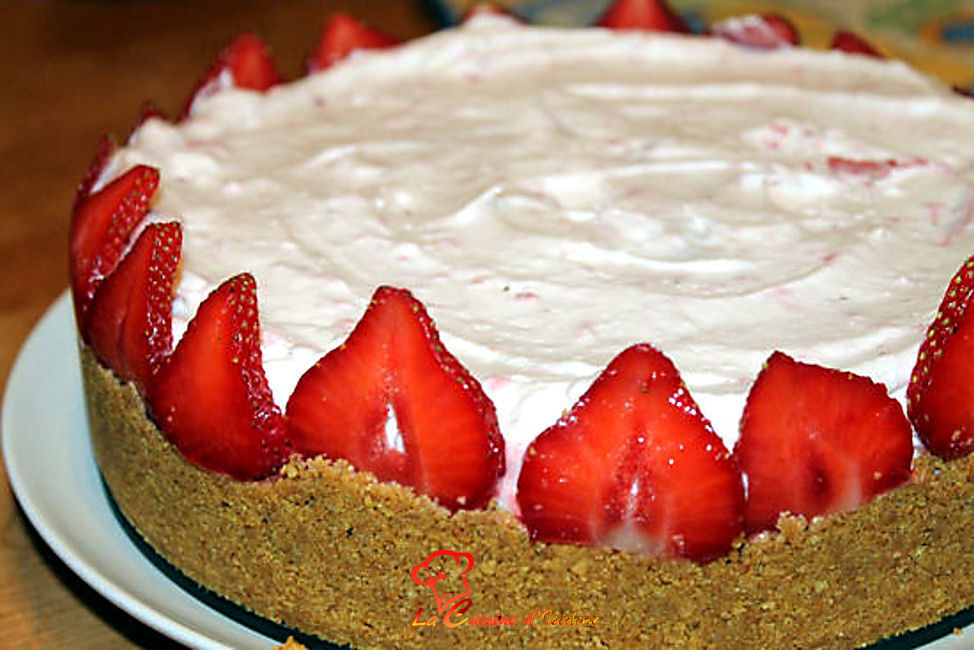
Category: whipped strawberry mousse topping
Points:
column 554, row 196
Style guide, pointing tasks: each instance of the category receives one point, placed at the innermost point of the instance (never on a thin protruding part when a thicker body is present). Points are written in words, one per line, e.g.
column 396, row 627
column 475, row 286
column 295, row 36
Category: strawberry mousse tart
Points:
column 668, row 337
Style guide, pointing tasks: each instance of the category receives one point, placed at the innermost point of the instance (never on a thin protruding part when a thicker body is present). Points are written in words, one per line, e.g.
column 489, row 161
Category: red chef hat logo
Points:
column 444, row 572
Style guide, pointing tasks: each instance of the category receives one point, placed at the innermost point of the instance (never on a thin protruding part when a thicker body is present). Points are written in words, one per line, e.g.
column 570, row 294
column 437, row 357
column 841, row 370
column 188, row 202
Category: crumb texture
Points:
column 328, row 550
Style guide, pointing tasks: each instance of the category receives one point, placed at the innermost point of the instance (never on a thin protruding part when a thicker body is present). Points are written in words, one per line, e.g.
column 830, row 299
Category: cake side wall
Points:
column 329, row 550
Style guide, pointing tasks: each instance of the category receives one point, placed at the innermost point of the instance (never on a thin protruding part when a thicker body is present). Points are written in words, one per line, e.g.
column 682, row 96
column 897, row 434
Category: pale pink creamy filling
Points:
column 554, row 196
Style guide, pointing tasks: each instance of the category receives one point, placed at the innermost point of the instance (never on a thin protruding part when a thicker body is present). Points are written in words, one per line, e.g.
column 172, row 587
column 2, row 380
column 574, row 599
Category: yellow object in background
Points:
column 935, row 36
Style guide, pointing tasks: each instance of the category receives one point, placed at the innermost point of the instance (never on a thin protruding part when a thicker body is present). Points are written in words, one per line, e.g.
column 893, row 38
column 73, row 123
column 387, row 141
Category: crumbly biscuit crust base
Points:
column 328, row 550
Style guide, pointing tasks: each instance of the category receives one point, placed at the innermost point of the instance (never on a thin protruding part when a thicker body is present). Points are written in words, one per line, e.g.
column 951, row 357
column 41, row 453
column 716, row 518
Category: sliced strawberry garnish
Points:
column 245, row 63
column 210, row 396
column 634, row 465
column 393, row 401
column 343, row 35
column 852, row 43
column 815, row 441
column 130, row 319
column 940, row 398
column 487, row 8
column 765, row 31
column 106, row 147
column 648, row 15
column 100, row 230
column 147, row 111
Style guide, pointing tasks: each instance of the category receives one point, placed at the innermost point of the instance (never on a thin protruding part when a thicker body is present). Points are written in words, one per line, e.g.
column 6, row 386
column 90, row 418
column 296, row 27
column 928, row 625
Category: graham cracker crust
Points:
column 327, row 550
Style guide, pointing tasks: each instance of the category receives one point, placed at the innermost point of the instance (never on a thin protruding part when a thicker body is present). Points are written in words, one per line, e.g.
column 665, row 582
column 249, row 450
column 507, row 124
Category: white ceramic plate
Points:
column 53, row 473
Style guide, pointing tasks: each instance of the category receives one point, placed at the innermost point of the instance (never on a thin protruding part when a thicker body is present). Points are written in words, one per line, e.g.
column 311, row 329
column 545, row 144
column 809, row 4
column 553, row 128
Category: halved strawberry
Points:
column 634, row 465
column 210, row 396
column 764, row 31
column 130, row 319
column 815, row 441
column 648, row 15
column 248, row 64
column 343, row 35
column 940, row 398
column 147, row 111
column 393, row 401
column 852, row 43
column 100, row 229
column 106, row 147
column 488, row 8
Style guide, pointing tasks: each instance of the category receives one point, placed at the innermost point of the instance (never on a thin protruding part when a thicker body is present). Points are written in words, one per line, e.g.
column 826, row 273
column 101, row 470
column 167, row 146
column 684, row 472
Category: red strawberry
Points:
column 853, row 44
column 393, row 401
column 248, row 63
column 211, row 398
column 343, row 35
column 100, row 229
column 634, row 465
column 147, row 111
column 106, row 147
column 940, row 399
column 648, row 15
column 816, row 441
column 766, row 31
column 487, row 8
column 130, row 318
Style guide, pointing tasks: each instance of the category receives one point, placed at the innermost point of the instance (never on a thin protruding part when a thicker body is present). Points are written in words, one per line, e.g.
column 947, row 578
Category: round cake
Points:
column 559, row 209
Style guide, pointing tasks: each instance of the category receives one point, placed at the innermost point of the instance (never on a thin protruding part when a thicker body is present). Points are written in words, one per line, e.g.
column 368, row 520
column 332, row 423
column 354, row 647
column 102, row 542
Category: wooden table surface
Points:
column 70, row 72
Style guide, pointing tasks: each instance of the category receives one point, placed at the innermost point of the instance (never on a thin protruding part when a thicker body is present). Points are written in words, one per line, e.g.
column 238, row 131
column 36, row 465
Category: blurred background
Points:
column 936, row 36
column 72, row 71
